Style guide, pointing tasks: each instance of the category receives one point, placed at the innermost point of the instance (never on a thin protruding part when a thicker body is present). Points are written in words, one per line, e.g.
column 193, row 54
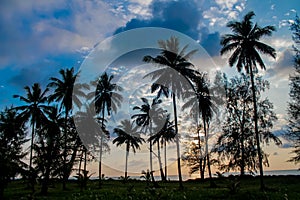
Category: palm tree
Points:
column 172, row 63
column 127, row 134
column 66, row 92
column 145, row 119
column 201, row 101
column 63, row 92
column 106, row 99
column 48, row 155
column 164, row 134
column 33, row 110
column 245, row 44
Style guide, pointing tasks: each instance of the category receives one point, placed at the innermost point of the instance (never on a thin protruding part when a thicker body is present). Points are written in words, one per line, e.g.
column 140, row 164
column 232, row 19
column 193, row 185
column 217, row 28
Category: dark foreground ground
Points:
column 278, row 187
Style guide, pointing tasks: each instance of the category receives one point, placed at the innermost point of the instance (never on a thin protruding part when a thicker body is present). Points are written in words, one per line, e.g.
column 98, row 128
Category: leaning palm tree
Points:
column 174, row 75
column 245, row 44
column 106, row 99
column 33, row 110
column 63, row 93
column 128, row 135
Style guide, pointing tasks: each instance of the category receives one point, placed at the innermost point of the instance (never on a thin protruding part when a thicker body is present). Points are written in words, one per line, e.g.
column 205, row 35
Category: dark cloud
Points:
column 283, row 67
column 182, row 16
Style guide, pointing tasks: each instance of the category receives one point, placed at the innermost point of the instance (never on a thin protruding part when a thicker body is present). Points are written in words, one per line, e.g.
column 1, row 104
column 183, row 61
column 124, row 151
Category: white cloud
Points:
column 223, row 12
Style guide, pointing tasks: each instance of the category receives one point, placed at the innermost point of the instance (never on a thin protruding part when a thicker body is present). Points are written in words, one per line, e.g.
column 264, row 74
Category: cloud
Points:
column 34, row 30
column 283, row 67
column 165, row 14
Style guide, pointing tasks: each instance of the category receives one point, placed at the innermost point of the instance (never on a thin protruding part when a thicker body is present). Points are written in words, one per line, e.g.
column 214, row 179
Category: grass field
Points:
column 278, row 187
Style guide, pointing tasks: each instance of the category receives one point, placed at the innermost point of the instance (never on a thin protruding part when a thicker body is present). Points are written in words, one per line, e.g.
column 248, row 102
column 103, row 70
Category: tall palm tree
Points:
column 175, row 73
column 145, row 119
column 106, row 99
column 63, row 93
column 202, row 103
column 245, row 44
column 128, row 135
column 33, row 110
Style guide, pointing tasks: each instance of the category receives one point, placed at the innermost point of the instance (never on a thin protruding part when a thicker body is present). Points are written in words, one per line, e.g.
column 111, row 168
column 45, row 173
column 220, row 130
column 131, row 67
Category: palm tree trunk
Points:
column 101, row 149
column 126, row 160
column 65, row 151
column 200, row 156
column 177, row 142
column 100, row 162
column 31, row 173
column 80, row 161
column 159, row 162
column 262, row 186
column 207, row 153
column 165, row 154
column 242, row 144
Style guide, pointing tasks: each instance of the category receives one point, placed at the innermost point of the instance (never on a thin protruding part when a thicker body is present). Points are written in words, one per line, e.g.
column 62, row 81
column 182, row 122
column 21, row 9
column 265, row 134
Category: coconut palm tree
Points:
column 164, row 134
column 64, row 89
column 176, row 74
column 202, row 103
column 246, row 46
column 33, row 110
column 48, row 156
column 146, row 117
column 106, row 99
column 128, row 135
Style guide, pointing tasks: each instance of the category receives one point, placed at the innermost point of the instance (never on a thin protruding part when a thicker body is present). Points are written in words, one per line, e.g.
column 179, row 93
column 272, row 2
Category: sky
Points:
column 38, row 38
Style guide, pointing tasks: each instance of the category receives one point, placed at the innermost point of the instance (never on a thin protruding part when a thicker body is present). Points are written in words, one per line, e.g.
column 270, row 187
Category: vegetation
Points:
column 294, row 104
column 245, row 44
column 280, row 188
column 56, row 148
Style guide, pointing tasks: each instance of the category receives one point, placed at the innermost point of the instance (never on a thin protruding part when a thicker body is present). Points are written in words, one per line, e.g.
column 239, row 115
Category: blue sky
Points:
column 40, row 37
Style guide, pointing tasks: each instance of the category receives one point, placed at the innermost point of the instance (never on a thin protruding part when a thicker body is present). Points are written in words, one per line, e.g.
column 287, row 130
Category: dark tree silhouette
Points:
column 174, row 75
column 128, row 135
column 63, row 93
column 33, row 110
column 106, row 99
column 245, row 44
column 48, row 157
column 294, row 103
column 146, row 119
column 12, row 137
column 236, row 146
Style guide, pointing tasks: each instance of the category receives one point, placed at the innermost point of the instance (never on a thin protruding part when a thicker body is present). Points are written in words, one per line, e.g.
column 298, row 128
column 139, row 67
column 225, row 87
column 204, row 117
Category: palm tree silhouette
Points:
column 63, row 92
column 175, row 74
column 48, row 156
column 33, row 110
column 106, row 99
column 145, row 119
column 164, row 134
column 202, row 103
column 245, row 44
column 128, row 135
